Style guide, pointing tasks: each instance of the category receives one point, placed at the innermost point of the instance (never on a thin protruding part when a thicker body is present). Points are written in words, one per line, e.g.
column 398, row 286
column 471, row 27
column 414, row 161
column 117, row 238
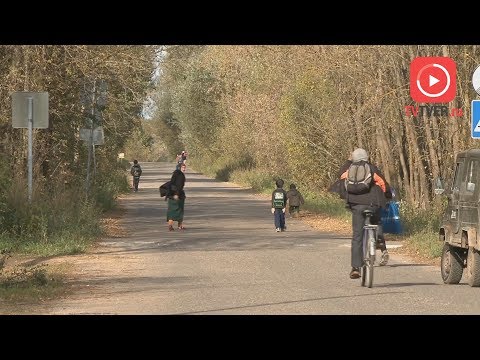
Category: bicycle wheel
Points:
column 369, row 258
column 368, row 270
column 364, row 274
column 365, row 254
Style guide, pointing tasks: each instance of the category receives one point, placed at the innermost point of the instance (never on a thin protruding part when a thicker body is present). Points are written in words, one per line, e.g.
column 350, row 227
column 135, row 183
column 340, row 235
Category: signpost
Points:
column 30, row 110
column 97, row 136
column 93, row 100
column 476, row 119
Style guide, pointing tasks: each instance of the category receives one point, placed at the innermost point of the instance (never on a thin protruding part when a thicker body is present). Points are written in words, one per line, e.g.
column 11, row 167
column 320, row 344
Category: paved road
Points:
column 230, row 260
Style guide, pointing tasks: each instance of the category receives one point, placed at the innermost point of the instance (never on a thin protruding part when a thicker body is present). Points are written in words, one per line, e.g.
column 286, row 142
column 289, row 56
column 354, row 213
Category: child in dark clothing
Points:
column 279, row 202
column 295, row 199
column 136, row 171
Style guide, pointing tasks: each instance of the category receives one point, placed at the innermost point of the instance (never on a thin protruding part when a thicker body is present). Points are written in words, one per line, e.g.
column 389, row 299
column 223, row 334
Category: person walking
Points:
column 279, row 201
column 294, row 199
column 176, row 198
column 136, row 172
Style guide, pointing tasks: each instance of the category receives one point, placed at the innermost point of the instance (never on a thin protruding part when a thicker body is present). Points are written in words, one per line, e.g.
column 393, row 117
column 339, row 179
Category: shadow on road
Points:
column 403, row 265
column 288, row 302
column 404, row 284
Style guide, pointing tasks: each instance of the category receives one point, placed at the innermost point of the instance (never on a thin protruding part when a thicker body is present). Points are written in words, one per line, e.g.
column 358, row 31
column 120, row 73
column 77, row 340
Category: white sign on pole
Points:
column 20, row 109
column 98, row 138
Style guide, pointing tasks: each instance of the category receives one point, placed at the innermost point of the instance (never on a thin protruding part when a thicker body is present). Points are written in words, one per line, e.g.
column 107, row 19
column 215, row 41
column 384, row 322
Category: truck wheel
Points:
column 473, row 267
column 451, row 264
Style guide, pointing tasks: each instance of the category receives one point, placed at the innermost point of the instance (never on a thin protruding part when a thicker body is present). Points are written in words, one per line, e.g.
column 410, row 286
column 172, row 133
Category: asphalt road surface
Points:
column 230, row 260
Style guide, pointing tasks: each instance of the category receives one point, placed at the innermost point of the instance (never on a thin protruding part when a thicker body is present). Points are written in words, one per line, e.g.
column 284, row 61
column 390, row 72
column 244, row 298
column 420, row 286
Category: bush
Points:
column 416, row 220
column 425, row 243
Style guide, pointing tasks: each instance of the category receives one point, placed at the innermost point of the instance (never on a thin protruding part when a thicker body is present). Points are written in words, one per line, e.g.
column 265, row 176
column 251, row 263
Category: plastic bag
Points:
column 391, row 222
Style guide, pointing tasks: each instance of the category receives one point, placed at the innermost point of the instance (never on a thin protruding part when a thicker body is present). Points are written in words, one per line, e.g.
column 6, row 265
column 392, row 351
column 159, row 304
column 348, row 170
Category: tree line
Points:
column 74, row 76
column 299, row 111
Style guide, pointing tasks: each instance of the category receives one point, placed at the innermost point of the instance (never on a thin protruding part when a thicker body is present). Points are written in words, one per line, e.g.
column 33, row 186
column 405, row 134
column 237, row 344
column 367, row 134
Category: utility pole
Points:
column 30, row 147
column 90, row 142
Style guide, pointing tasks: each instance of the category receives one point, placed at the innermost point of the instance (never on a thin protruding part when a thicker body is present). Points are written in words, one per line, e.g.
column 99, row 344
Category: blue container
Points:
column 391, row 223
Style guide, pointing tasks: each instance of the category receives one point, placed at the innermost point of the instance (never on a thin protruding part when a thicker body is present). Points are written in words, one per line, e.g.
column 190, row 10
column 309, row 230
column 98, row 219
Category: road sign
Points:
column 39, row 109
column 98, row 138
column 476, row 119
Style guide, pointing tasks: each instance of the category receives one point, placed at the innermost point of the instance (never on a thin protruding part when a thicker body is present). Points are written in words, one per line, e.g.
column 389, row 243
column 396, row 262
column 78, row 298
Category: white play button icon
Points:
column 432, row 80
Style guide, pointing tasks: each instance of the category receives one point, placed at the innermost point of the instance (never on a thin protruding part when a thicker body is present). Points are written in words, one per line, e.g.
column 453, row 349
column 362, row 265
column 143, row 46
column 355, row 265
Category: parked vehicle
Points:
column 459, row 229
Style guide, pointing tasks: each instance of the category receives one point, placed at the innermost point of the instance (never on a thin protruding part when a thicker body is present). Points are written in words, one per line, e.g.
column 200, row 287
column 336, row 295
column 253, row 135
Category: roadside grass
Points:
column 28, row 283
column 424, row 244
column 421, row 228
column 32, row 283
column 326, row 204
column 59, row 221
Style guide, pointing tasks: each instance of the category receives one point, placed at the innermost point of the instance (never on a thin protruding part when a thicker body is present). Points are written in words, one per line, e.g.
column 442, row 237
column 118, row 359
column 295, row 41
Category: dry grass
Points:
column 415, row 254
column 327, row 224
column 112, row 223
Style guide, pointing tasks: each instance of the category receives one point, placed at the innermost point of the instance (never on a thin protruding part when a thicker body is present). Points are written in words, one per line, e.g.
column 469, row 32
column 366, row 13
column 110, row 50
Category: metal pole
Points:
column 94, row 162
column 30, row 148
column 90, row 144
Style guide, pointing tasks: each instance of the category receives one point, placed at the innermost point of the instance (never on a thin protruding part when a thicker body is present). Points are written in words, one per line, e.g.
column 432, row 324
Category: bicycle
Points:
column 369, row 247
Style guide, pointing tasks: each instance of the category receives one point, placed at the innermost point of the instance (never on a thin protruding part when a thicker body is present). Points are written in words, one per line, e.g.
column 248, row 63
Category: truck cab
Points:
column 459, row 229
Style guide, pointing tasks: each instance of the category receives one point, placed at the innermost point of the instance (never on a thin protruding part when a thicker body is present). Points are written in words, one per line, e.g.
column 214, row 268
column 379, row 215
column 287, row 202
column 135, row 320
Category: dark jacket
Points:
column 136, row 167
column 378, row 195
column 177, row 182
column 338, row 186
column 295, row 198
column 284, row 196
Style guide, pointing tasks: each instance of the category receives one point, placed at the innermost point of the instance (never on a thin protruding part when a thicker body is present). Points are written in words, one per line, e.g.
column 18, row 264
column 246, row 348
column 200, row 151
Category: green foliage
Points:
column 326, row 203
column 65, row 242
column 425, row 243
column 257, row 180
column 164, row 124
column 222, row 168
column 108, row 186
column 123, row 164
column 61, row 218
column 58, row 217
column 197, row 112
column 140, row 145
column 415, row 220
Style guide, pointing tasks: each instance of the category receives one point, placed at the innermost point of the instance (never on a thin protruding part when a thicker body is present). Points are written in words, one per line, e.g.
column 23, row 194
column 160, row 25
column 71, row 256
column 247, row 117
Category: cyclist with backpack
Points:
column 136, row 172
column 279, row 203
column 365, row 187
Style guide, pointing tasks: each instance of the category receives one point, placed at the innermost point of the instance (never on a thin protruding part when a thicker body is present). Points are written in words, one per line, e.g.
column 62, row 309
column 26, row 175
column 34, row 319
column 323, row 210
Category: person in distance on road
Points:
column 176, row 198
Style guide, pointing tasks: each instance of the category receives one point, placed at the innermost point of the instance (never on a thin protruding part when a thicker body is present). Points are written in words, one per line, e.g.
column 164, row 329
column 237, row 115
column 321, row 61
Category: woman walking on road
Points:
column 176, row 199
